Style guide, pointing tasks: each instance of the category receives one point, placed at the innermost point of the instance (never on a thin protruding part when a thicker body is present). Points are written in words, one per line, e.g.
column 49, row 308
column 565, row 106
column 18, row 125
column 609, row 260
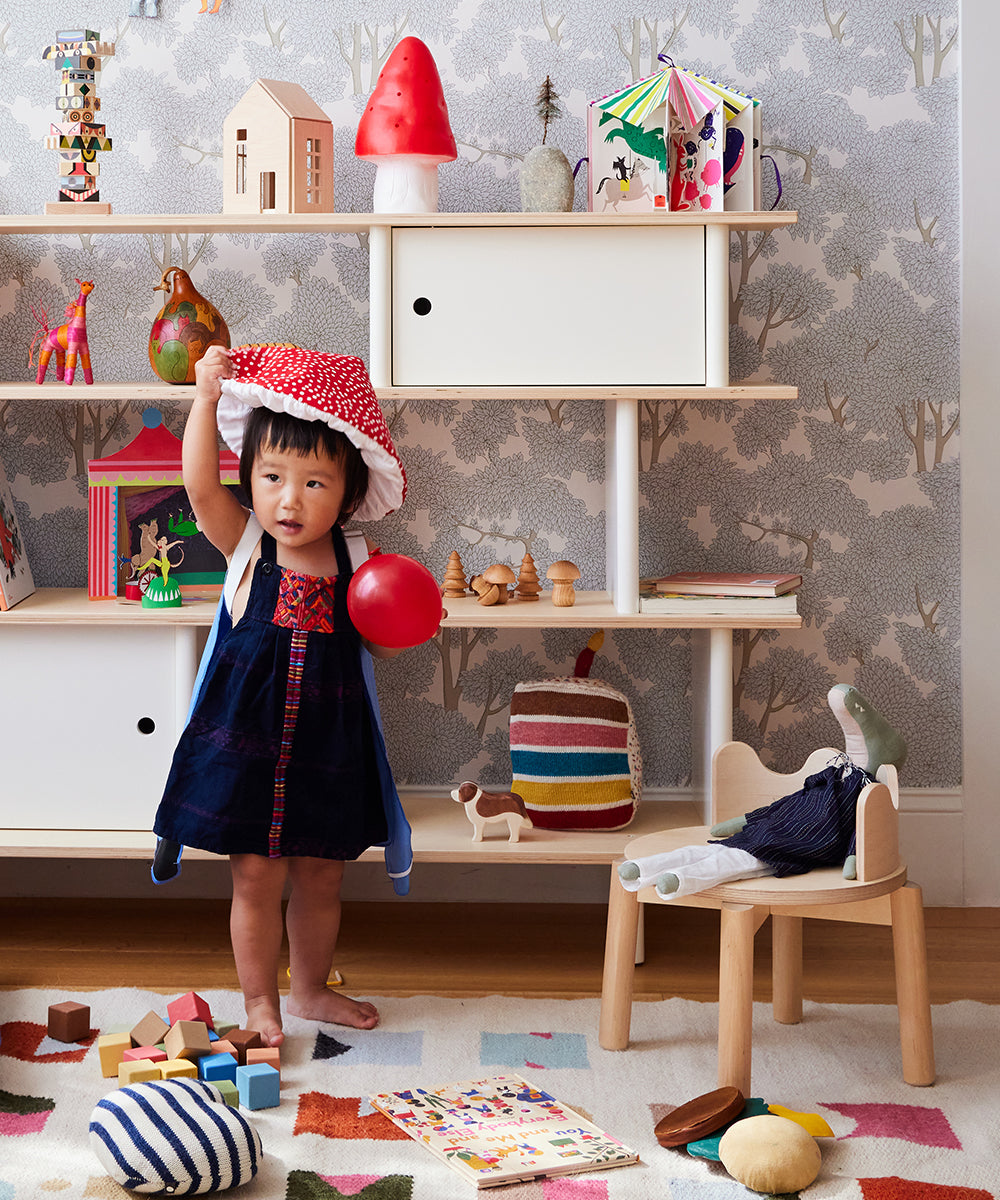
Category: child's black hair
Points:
column 283, row 432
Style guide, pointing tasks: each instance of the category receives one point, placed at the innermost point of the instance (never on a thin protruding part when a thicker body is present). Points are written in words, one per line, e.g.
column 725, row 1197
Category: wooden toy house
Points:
column 277, row 152
column 137, row 495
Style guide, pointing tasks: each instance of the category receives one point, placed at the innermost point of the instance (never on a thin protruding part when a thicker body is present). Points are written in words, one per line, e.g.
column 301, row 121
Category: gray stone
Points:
column 546, row 181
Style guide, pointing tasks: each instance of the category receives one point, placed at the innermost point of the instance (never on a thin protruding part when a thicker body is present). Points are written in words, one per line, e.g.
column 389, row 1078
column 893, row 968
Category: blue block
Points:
column 217, row 1066
column 259, row 1086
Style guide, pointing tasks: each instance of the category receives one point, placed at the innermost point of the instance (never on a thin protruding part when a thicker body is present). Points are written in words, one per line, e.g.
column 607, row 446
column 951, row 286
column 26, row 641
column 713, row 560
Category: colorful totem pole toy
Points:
column 184, row 329
column 67, row 342
column 78, row 54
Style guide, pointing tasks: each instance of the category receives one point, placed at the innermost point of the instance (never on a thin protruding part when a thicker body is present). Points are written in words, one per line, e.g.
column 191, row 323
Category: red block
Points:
column 190, row 1007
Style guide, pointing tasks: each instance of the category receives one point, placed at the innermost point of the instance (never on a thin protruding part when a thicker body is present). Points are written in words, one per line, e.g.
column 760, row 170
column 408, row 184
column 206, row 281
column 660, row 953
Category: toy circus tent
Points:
column 683, row 139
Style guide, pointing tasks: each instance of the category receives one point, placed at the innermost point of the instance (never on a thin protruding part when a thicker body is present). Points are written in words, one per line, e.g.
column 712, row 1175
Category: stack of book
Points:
column 707, row 592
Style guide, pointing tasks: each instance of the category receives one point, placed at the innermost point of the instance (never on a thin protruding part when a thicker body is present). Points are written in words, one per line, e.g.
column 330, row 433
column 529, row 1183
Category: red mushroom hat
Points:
column 315, row 386
column 406, row 113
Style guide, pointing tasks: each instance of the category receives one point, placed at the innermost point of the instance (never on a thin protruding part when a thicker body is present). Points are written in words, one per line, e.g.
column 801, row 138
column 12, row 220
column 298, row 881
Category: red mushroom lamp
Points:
column 405, row 131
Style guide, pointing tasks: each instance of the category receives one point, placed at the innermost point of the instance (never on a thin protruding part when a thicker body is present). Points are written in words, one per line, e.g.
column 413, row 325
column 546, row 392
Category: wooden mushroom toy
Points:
column 405, row 131
column 563, row 574
column 497, row 579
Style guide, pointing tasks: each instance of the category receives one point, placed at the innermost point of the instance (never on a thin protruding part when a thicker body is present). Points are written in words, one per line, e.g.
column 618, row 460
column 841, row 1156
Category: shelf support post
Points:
column 717, row 305
column 380, row 306
column 621, row 533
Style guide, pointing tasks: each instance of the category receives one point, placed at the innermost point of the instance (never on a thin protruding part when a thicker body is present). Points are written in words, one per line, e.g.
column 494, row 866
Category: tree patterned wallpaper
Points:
column 856, row 484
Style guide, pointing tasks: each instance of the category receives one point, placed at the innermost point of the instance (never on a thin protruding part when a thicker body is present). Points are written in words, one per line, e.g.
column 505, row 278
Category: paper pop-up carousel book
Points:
column 139, row 512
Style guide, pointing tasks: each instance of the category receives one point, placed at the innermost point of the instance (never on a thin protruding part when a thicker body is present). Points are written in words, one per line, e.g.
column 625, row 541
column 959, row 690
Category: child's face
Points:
column 297, row 497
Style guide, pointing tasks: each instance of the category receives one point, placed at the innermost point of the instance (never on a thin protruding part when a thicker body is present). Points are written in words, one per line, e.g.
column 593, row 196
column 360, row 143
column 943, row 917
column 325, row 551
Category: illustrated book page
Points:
column 502, row 1130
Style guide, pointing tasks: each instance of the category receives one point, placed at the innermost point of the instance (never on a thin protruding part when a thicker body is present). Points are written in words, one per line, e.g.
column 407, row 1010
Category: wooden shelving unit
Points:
column 112, row 665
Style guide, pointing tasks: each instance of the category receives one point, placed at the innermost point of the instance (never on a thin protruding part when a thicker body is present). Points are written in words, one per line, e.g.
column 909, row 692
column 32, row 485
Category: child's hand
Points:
column 209, row 372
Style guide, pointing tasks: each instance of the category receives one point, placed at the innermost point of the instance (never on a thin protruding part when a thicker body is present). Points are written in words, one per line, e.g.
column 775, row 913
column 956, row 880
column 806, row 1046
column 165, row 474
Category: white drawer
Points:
column 90, row 724
column 548, row 306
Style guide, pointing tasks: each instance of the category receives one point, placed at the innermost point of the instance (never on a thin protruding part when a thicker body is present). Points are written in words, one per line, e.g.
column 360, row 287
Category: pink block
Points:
column 190, row 1007
column 153, row 1053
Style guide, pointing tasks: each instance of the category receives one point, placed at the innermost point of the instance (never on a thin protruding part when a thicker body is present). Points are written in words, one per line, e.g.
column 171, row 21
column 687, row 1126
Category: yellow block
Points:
column 178, row 1068
column 139, row 1071
column 111, row 1047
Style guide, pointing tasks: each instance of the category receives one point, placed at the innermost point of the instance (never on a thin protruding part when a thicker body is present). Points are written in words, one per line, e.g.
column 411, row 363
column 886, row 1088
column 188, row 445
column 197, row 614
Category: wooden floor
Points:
column 404, row 948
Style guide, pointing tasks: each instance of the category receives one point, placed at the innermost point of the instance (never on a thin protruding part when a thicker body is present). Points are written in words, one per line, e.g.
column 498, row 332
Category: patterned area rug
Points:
column 891, row 1141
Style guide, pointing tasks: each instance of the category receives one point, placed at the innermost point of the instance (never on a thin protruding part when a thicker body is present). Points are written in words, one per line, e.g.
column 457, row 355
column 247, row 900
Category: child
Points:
column 281, row 765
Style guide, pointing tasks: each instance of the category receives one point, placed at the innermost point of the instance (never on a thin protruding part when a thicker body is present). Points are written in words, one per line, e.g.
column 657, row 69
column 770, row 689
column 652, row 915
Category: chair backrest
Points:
column 741, row 782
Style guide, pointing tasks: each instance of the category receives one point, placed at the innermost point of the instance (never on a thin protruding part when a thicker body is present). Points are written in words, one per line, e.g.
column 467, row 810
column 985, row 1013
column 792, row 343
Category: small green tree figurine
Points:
column 547, row 106
column 546, row 176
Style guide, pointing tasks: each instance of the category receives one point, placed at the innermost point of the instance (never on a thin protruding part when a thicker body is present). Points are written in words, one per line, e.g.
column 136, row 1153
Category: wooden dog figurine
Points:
column 482, row 808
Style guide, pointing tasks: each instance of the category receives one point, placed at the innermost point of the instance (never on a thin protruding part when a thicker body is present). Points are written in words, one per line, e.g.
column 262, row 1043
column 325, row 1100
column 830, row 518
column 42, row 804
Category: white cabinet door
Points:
column 89, row 724
column 548, row 306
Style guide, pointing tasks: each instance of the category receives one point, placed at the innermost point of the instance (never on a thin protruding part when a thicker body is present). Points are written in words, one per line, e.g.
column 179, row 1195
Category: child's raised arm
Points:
column 219, row 514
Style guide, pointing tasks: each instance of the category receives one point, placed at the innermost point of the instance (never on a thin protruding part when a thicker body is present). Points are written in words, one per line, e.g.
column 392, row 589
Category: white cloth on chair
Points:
column 697, row 868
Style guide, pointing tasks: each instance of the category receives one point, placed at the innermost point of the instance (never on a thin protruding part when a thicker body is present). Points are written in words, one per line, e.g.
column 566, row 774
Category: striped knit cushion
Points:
column 575, row 754
column 174, row 1136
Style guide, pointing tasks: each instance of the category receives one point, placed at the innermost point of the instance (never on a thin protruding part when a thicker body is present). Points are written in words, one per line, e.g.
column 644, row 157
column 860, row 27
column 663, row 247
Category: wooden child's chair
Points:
column 880, row 895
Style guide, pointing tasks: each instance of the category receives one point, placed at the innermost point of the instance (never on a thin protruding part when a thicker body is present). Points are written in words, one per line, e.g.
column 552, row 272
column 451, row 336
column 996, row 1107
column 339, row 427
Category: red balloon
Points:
column 394, row 601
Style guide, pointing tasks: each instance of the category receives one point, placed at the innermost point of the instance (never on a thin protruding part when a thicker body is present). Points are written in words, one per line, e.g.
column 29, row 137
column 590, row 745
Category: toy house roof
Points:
column 293, row 100
column 152, row 456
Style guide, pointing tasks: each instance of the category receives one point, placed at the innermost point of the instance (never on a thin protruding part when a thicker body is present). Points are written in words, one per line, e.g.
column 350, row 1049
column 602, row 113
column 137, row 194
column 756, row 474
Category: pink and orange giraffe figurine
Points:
column 68, row 342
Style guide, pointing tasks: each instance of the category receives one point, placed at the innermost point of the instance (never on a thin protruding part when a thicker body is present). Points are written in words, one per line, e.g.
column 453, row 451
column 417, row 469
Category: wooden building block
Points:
column 178, row 1068
column 69, row 1021
column 212, row 1067
column 259, row 1086
column 150, row 1030
column 139, row 1071
column 265, row 1054
column 187, row 1039
column 230, row 1092
column 243, row 1040
column 111, row 1049
column 138, row 1053
column 190, row 1007
column 224, row 1046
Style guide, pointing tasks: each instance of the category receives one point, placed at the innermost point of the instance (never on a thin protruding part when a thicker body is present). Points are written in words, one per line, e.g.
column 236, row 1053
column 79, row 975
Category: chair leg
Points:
column 913, row 1000
column 619, row 966
column 786, row 968
column 738, row 926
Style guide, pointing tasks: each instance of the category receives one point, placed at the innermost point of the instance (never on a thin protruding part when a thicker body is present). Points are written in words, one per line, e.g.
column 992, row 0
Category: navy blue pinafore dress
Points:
column 279, row 757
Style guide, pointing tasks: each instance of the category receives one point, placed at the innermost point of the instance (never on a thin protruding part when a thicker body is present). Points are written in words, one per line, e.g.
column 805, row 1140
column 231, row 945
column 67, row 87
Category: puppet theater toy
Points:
column 136, row 498
column 78, row 55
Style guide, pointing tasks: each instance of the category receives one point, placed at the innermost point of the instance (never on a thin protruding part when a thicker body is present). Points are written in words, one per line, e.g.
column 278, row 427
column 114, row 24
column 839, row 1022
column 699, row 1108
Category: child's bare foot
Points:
column 334, row 1008
column 265, row 1016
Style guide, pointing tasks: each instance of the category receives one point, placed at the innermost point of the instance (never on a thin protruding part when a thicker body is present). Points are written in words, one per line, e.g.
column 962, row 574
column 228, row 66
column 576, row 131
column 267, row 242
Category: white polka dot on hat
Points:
column 316, row 386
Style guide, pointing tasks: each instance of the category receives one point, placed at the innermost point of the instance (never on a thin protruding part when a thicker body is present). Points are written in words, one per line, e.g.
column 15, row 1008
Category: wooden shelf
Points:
column 441, row 833
column 234, row 223
column 70, row 606
column 183, row 394
column 592, row 610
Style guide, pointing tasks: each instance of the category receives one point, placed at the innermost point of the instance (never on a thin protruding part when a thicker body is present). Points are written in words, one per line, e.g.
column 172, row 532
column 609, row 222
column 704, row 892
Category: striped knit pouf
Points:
column 575, row 754
column 173, row 1137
